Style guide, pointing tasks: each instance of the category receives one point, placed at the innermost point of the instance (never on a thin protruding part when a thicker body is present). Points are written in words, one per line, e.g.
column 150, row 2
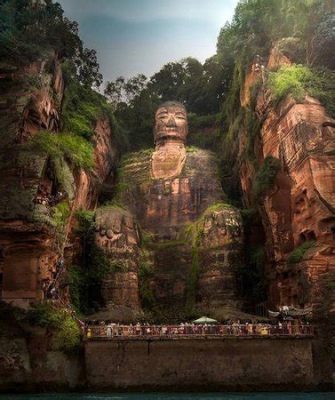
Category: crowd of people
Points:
column 110, row 330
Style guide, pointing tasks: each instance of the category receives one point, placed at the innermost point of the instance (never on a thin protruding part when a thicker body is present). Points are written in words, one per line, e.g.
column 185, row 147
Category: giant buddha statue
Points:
column 175, row 222
column 170, row 136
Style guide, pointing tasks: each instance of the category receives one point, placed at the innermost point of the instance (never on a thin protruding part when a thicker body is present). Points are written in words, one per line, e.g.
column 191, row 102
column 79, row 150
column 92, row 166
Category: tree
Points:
column 31, row 29
column 88, row 68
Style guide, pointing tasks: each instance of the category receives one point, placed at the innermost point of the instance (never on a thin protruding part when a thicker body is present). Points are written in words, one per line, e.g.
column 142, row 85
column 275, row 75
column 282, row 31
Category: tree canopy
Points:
column 29, row 29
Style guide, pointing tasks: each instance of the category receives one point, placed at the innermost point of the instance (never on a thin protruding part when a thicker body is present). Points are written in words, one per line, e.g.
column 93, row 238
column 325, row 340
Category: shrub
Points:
column 66, row 332
column 86, row 220
column 75, row 149
column 76, row 279
column 67, row 338
column 60, row 214
column 289, row 80
column 298, row 253
column 81, row 109
column 266, row 176
column 299, row 80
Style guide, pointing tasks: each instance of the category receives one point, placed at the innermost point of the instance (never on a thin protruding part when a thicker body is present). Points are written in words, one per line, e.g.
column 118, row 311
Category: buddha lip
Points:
column 165, row 131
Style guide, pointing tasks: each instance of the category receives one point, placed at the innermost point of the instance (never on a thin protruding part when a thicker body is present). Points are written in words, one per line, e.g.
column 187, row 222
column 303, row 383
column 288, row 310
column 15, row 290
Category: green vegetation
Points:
column 253, row 126
column 192, row 234
column 298, row 253
column 203, row 130
column 65, row 330
column 293, row 48
column 63, row 176
column 297, row 26
column 85, row 281
column 192, row 281
column 31, row 30
column 86, row 221
column 145, row 273
column 82, row 107
column 299, row 80
column 198, row 86
column 289, row 80
column 265, row 177
column 60, row 214
column 134, row 170
column 73, row 148
column 193, row 231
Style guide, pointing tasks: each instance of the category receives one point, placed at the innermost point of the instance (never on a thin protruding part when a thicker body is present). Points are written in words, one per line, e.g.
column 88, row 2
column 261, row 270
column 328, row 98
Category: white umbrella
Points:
column 205, row 320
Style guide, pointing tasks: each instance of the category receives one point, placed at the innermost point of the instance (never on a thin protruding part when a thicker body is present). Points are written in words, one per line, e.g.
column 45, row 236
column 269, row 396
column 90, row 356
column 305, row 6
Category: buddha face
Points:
column 171, row 122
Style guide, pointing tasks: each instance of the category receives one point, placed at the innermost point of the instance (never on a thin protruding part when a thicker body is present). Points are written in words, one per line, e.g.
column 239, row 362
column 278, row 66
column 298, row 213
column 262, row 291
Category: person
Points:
column 89, row 333
column 280, row 328
column 109, row 331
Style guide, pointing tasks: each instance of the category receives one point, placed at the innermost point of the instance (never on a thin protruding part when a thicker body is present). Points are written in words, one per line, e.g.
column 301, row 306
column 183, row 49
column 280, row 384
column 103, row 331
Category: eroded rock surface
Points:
column 35, row 190
column 118, row 235
column 300, row 206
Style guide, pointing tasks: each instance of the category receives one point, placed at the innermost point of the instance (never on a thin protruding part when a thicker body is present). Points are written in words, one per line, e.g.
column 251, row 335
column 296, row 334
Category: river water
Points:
column 172, row 396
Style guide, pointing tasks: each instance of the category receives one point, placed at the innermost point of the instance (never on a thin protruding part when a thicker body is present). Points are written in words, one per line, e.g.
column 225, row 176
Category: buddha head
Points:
column 170, row 123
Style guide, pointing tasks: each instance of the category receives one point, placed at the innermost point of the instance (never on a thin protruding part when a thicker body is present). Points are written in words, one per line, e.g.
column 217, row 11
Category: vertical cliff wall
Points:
column 41, row 188
column 298, row 208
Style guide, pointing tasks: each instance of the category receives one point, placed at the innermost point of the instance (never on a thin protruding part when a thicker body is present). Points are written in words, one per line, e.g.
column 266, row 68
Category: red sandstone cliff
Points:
column 300, row 207
column 32, row 245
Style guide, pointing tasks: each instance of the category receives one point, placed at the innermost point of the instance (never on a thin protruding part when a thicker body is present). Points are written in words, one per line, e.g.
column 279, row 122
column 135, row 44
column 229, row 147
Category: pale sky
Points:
column 140, row 36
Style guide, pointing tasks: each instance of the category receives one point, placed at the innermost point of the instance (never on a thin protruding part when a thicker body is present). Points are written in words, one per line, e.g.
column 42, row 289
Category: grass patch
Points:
column 298, row 253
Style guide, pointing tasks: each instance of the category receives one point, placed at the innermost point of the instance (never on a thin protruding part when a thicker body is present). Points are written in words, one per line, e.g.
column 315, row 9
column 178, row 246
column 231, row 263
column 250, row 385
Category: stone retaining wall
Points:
column 195, row 364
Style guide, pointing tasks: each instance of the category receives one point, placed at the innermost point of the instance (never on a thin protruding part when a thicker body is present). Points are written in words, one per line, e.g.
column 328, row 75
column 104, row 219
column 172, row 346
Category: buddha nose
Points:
column 171, row 122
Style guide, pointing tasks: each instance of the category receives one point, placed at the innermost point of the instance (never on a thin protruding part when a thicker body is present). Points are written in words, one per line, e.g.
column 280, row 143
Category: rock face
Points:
column 32, row 244
column 118, row 235
column 300, row 207
column 190, row 240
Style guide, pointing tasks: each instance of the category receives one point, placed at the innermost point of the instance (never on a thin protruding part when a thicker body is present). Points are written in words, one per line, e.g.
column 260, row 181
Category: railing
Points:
column 170, row 331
